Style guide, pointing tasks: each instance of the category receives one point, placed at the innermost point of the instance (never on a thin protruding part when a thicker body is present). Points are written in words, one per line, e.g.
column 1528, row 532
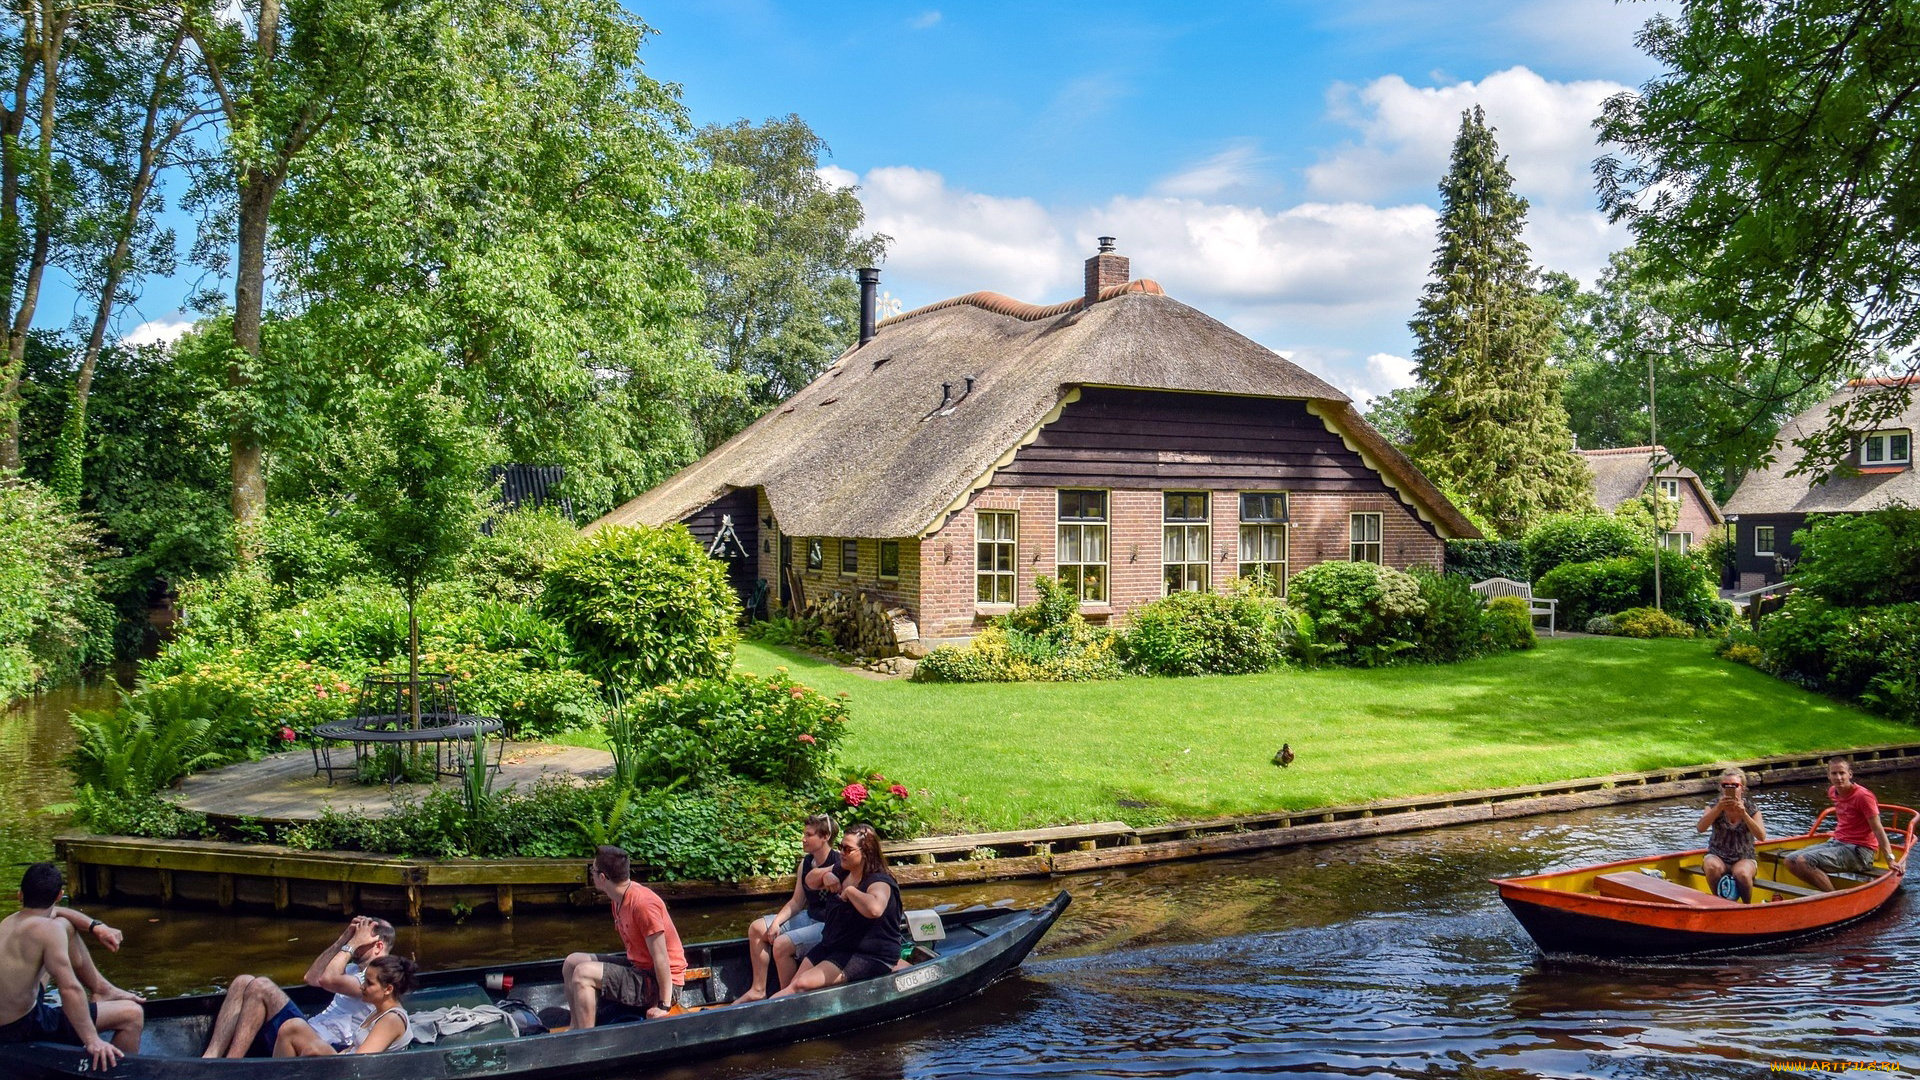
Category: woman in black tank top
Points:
column 862, row 939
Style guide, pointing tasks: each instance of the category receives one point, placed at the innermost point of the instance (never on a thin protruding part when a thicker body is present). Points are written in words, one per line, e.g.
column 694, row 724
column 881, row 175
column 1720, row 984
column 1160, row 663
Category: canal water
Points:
column 1386, row 957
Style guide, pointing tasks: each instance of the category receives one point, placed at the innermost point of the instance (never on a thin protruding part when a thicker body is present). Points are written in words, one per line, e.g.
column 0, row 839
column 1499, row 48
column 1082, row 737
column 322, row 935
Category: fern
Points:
column 150, row 742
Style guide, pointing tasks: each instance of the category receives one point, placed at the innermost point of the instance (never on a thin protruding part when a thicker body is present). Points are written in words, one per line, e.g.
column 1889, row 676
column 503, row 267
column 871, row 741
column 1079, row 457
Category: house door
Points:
column 780, row 572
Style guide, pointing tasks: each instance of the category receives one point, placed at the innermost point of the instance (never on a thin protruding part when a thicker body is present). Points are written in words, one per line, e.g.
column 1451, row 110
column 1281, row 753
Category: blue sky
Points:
column 1272, row 164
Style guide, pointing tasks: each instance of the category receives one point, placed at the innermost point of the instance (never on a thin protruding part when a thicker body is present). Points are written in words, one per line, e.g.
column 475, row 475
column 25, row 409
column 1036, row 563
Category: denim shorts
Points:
column 803, row 932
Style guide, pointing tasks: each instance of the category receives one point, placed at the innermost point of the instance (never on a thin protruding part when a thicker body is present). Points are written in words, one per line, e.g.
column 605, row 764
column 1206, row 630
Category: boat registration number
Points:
column 907, row 980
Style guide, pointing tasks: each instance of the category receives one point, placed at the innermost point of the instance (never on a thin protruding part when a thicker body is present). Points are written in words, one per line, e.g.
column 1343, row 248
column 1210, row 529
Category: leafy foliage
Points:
column 1578, row 538
column 1858, row 560
column 1609, row 586
column 152, row 740
column 1450, row 628
column 1490, row 426
column 1478, row 560
column 867, row 797
column 509, row 562
column 1370, row 611
column 699, row 732
column 1767, row 172
column 1391, row 414
column 1649, row 623
column 1204, row 633
column 52, row 620
column 1045, row 641
column 644, row 606
column 1868, row 653
column 1508, row 624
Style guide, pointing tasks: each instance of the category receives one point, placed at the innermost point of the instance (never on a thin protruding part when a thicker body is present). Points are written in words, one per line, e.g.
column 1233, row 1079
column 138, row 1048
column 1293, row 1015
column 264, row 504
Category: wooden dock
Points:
column 221, row 874
column 283, row 788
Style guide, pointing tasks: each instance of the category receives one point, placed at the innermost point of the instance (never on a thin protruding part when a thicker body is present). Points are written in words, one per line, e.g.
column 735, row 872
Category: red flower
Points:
column 854, row 794
column 287, row 735
column 898, row 791
column 879, row 778
column 808, row 739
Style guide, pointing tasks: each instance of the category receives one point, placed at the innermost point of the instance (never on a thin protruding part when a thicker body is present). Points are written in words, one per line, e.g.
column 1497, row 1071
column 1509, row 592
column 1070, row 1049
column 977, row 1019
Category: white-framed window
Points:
column 1763, row 540
column 1263, row 539
column 994, row 534
column 850, row 557
column 889, row 560
column 1186, row 541
column 1681, row 542
column 1887, row 448
column 1363, row 534
column 1669, row 487
column 1080, row 556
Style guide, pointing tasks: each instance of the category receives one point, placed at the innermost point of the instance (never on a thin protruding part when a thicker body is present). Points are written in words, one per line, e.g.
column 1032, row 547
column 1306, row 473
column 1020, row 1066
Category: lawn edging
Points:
column 225, row 875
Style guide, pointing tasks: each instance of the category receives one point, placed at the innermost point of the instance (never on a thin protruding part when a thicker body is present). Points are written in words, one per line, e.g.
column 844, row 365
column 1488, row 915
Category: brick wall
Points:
column 947, row 611
column 895, row 592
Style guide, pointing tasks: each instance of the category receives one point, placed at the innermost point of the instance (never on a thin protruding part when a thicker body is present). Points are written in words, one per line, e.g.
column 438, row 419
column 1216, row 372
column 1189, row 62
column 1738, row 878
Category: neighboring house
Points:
column 1769, row 506
column 1121, row 442
column 1628, row 472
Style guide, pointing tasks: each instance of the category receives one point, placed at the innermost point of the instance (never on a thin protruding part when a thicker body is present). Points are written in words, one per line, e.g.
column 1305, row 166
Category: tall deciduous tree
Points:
column 1610, row 335
column 1771, row 175
column 782, row 307
column 1491, row 426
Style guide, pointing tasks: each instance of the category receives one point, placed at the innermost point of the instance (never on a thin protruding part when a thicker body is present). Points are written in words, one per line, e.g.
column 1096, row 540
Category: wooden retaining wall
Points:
column 267, row 877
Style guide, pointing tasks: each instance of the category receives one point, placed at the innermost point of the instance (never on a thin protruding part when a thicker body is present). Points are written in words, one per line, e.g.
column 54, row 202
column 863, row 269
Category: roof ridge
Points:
column 1622, row 450
column 1001, row 304
column 1883, row 380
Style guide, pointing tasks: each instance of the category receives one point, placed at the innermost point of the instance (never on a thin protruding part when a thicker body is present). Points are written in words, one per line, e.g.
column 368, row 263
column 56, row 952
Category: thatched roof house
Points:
column 986, row 404
column 1627, row 472
column 1771, row 503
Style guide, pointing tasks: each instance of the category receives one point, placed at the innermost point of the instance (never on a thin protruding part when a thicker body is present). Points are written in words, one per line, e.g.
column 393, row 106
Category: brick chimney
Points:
column 1105, row 269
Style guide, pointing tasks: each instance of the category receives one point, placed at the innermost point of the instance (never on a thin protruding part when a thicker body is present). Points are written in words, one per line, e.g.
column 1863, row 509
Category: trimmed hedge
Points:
column 644, row 606
column 1197, row 633
column 1561, row 539
column 1478, row 560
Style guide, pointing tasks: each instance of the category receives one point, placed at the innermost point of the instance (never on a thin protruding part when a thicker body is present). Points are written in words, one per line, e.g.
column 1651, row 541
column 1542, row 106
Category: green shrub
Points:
column 146, row 814
column 1561, row 539
column 1861, row 560
column 1370, row 611
column 1609, row 586
column 305, row 551
column 531, row 703
column 357, row 625
column 1644, row 622
column 726, row 832
column 997, row 654
column 153, row 740
column 1876, row 658
column 1508, row 624
column 501, row 627
column 801, row 630
column 1603, row 625
column 867, row 797
column 768, row 730
column 1051, row 615
column 644, row 607
column 1478, row 560
column 225, row 610
column 1799, row 639
column 1200, row 633
column 50, row 606
column 510, row 561
column 1449, row 630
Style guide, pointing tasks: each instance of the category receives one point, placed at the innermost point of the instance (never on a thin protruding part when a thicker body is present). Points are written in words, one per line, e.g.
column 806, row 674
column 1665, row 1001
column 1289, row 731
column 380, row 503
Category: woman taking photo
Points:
column 1735, row 825
column 862, row 938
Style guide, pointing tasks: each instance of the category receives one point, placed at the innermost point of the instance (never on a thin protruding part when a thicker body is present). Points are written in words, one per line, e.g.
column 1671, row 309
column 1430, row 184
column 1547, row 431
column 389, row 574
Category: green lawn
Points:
column 1024, row 755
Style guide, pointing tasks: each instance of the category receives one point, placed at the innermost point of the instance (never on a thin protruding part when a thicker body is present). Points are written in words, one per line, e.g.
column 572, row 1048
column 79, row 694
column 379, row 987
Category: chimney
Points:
column 1105, row 269
column 869, row 280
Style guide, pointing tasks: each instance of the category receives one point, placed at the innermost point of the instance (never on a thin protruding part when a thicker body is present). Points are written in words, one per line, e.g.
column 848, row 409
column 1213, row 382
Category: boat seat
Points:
column 1787, row 888
column 1633, row 885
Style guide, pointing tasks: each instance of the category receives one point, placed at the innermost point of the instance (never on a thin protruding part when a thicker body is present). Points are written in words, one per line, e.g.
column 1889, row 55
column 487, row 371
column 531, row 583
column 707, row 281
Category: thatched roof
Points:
column 1772, row 491
column 1624, row 472
column 866, row 450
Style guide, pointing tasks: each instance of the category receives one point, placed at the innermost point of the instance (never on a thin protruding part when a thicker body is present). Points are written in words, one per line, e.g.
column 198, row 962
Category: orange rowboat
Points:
column 1659, row 905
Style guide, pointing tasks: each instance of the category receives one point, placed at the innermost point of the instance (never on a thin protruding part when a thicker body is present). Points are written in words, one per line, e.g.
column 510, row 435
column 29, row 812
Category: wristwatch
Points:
column 348, row 949
column 95, row 925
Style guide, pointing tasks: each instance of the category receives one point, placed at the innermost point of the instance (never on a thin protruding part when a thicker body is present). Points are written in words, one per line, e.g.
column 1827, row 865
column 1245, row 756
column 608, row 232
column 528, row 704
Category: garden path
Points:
column 283, row 787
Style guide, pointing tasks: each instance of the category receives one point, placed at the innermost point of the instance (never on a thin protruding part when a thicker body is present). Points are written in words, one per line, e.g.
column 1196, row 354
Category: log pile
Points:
column 865, row 625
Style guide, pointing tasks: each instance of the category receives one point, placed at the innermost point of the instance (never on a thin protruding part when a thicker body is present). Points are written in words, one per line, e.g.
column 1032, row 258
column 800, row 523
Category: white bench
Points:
column 1536, row 605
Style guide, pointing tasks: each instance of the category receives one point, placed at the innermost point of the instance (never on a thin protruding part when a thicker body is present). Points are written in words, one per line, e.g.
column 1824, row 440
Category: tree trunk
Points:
column 413, row 662
column 249, row 297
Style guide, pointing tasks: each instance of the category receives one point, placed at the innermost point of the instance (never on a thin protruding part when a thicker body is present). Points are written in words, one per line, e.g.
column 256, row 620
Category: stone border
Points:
column 203, row 872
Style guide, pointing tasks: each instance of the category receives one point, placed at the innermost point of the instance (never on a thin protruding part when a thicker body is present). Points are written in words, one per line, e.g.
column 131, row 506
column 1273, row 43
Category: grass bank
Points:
column 1145, row 750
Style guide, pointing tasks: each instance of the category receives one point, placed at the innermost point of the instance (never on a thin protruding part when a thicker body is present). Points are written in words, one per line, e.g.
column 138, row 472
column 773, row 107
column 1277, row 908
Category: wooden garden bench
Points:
column 1536, row 605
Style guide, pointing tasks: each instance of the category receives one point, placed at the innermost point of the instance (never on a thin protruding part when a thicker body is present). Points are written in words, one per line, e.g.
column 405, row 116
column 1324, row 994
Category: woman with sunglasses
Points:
column 1736, row 827
column 862, row 938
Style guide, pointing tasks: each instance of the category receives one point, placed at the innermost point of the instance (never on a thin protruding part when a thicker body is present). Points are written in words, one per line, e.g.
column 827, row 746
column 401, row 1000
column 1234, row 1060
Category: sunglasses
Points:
column 1731, row 787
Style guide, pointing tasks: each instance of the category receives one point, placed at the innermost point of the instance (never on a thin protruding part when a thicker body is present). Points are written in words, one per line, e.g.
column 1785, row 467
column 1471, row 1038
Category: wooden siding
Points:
column 1147, row 439
column 1752, row 571
column 743, row 563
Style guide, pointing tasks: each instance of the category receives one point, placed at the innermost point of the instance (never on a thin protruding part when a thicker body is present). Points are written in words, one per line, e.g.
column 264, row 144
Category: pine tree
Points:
column 1491, row 425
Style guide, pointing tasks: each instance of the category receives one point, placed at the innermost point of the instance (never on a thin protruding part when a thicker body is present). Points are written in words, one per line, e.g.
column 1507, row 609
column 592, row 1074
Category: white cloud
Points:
column 926, row 20
column 1544, row 127
column 1231, row 168
column 947, row 242
column 1383, row 374
column 157, row 331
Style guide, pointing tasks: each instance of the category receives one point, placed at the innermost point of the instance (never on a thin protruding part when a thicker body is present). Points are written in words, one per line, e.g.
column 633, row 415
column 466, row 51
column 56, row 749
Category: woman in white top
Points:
column 386, row 1028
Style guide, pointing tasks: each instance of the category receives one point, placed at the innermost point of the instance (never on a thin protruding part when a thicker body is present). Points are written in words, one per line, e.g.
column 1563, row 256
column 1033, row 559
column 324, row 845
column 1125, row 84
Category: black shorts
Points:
column 858, row 967
column 624, row 983
column 46, row 1023
column 269, row 1033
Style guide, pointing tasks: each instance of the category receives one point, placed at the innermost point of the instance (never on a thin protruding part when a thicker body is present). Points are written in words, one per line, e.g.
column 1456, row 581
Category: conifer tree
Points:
column 1491, row 425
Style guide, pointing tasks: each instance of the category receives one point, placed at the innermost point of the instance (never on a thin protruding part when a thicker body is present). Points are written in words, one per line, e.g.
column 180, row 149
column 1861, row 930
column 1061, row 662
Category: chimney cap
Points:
column 1106, row 245
column 868, row 275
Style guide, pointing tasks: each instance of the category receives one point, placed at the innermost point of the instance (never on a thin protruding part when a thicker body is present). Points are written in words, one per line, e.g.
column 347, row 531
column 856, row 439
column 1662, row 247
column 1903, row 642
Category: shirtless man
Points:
column 249, row 1021
column 40, row 940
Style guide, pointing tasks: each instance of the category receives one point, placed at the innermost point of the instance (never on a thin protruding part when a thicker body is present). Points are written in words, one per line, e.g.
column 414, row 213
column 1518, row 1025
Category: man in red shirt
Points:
column 1857, row 834
column 630, row 979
